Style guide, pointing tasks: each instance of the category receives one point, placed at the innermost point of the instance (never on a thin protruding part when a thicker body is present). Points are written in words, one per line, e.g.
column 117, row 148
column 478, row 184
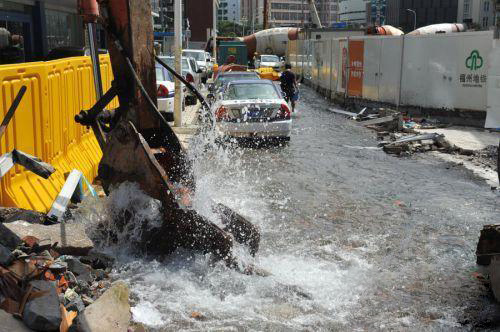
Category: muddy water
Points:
column 354, row 239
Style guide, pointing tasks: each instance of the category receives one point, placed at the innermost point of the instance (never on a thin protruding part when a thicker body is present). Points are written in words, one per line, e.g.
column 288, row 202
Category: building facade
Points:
column 44, row 25
column 286, row 13
column 328, row 11
column 376, row 12
column 352, row 11
column 427, row 12
column 479, row 14
column 200, row 14
column 252, row 12
column 229, row 10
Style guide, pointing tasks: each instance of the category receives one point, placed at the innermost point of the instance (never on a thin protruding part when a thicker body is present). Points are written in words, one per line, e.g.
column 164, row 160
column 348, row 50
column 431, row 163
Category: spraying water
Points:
column 351, row 239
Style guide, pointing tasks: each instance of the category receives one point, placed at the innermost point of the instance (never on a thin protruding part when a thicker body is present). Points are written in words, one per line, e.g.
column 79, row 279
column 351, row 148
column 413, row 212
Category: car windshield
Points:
column 270, row 58
column 251, row 91
column 198, row 56
column 163, row 75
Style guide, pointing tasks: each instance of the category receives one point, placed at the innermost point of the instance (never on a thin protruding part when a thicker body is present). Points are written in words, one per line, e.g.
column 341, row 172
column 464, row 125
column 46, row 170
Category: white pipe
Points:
column 439, row 28
column 314, row 14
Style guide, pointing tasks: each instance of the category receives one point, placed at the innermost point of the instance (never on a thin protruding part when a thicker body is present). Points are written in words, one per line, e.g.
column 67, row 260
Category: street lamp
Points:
column 415, row 20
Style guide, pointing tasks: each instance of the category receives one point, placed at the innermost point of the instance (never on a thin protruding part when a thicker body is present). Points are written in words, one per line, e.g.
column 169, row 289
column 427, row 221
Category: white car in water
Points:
column 268, row 61
column 165, row 92
column 202, row 62
column 252, row 109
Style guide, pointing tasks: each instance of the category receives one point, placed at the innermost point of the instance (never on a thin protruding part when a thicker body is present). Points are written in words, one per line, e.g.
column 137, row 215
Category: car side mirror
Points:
column 199, row 71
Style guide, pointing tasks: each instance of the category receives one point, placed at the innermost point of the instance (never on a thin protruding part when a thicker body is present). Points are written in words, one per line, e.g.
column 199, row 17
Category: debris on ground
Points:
column 43, row 288
column 399, row 135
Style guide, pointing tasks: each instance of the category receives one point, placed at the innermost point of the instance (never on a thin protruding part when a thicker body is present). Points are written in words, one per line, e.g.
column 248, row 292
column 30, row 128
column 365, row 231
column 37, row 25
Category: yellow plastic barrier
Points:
column 44, row 126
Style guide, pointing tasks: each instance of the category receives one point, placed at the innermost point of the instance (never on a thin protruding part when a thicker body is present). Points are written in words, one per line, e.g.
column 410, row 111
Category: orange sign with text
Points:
column 356, row 63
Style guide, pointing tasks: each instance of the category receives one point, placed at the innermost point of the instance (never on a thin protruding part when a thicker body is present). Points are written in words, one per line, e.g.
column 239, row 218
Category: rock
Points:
column 494, row 272
column 9, row 214
column 11, row 324
column 110, row 313
column 76, row 305
column 82, row 272
column 489, row 244
column 5, row 256
column 77, row 240
column 43, row 313
column 86, row 300
column 100, row 274
column 8, row 238
column 98, row 260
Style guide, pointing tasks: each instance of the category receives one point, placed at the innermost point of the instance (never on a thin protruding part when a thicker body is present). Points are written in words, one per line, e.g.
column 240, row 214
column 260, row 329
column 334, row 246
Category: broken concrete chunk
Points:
column 488, row 245
column 80, row 270
column 110, row 313
column 11, row 324
column 43, row 313
column 77, row 241
column 10, row 214
column 8, row 238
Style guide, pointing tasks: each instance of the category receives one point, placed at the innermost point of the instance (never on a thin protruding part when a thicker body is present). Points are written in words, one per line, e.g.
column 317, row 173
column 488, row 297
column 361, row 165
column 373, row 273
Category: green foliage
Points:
column 231, row 29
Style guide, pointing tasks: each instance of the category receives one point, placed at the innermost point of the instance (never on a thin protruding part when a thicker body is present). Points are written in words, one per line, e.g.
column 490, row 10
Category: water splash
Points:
column 120, row 219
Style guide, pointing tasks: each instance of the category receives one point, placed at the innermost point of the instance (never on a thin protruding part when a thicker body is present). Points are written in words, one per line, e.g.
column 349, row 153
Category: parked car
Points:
column 201, row 60
column 266, row 60
column 252, row 109
column 190, row 72
column 226, row 77
column 165, row 92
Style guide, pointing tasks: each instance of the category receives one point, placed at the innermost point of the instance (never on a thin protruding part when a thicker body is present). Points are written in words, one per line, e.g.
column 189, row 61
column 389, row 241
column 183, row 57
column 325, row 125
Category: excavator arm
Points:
column 141, row 146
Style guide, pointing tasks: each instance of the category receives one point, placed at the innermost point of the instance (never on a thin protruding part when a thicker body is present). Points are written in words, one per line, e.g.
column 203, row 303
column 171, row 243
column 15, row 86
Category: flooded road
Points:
column 354, row 239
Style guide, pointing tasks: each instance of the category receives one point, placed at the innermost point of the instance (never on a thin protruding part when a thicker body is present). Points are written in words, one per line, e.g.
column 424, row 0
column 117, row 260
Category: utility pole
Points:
column 302, row 20
column 178, row 62
column 265, row 18
column 214, row 30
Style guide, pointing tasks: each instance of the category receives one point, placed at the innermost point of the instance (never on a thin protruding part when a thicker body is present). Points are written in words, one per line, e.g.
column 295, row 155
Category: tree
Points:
column 231, row 29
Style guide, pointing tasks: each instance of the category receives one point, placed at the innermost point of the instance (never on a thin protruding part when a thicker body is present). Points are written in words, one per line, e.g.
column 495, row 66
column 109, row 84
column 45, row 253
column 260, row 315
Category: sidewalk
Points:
column 472, row 139
column 467, row 138
column 189, row 125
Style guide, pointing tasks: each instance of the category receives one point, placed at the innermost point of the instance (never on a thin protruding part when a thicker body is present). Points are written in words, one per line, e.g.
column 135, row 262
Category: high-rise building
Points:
column 328, row 11
column 252, row 12
column 477, row 13
column 376, row 12
column 353, row 11
column 406, row 14
column 229, row 10
column 288, row 12
column 200, row 17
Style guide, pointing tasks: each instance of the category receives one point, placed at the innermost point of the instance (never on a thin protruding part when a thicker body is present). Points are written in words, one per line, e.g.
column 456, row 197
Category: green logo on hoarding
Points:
column 474, row 61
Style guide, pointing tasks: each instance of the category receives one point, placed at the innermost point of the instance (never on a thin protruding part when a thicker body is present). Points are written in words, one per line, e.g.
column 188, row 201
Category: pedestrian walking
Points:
column 288, row 83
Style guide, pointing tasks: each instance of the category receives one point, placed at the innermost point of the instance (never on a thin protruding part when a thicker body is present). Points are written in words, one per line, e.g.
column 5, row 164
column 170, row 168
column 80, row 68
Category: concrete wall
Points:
column 440, row 72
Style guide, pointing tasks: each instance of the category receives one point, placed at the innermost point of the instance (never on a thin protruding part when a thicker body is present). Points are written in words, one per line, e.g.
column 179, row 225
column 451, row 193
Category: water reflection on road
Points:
column 353, row 239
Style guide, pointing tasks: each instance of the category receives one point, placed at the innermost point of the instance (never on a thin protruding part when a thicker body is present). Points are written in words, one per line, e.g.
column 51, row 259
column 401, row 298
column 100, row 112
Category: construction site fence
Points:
column 441, row 71
column 44, row 126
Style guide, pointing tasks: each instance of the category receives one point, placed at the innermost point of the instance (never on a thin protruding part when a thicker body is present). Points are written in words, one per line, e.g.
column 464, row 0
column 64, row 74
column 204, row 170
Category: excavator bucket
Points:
column 141, row 147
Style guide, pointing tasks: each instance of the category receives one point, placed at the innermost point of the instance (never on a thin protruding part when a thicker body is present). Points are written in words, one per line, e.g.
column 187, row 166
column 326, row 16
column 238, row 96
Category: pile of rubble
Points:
column 50, row 291
column 402, row 144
